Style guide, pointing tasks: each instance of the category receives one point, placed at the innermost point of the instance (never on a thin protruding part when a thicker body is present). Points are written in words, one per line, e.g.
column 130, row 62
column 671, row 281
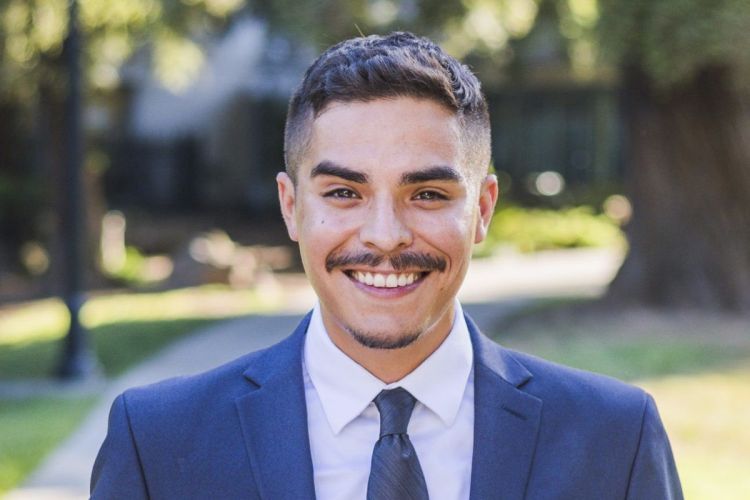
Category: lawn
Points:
column 696, row 366
column 22, row 446
column 124, row 329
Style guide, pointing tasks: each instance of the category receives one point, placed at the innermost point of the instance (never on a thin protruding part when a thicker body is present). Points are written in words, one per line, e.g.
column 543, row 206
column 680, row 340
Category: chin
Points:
column 384, row 341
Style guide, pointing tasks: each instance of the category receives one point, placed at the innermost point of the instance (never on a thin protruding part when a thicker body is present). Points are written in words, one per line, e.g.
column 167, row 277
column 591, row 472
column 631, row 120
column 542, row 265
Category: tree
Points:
column 685, row 70
column 33, row 88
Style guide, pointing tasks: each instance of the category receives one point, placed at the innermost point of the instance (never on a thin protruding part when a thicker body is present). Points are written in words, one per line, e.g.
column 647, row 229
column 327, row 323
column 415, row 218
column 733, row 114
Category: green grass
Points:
column 707, row 415
column 697, row 367
column 124, row 329
column 635, row 359
column 23, row 446
column 117, row 346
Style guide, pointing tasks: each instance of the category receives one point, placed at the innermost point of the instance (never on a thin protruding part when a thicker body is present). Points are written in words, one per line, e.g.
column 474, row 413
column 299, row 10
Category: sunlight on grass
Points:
column 23, row 446
column 123, row 329
column 48, row 319
column 40, row 320
column 707, row 418
column 630, row 359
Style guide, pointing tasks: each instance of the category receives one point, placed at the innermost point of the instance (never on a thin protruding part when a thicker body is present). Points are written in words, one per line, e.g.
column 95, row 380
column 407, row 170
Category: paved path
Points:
column 492, row 288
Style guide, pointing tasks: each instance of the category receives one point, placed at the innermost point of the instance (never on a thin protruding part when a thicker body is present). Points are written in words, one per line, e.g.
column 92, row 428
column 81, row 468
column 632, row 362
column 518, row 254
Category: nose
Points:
column 384, row 228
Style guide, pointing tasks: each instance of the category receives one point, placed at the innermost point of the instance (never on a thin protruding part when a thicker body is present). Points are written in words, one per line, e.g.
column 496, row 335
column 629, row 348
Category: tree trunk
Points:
column 689, row 171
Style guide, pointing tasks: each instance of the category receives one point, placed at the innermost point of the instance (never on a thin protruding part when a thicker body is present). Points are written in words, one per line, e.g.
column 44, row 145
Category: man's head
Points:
column 381, row 67
column 387, row 189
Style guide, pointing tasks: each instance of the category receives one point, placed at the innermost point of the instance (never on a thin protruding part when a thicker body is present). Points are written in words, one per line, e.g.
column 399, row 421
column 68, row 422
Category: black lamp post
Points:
column 78, row 360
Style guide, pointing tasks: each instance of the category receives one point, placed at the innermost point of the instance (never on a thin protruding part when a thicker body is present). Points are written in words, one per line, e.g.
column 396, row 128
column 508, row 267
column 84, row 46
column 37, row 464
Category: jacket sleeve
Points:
column 118, row 473
column 653, row 474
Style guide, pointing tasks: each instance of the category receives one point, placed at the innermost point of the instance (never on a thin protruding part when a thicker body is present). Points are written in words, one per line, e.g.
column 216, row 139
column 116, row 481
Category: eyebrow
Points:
column 438, row 173
column 334, row 170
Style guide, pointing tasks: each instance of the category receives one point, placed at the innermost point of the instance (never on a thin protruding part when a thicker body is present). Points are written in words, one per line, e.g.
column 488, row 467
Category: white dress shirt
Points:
column 344, row 424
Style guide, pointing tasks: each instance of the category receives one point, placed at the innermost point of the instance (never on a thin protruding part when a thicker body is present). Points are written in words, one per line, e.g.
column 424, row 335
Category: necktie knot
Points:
column 395, row 407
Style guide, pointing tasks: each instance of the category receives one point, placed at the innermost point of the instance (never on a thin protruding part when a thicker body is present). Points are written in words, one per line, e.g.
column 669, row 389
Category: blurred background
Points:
column 139, row 142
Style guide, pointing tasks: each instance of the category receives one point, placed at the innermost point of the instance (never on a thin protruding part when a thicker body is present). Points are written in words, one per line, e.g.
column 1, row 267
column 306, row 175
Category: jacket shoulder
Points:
column 559, row 384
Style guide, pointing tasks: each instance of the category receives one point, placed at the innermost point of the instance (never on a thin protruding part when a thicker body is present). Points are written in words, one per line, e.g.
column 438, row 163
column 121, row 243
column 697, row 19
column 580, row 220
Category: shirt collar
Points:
column 345, row 388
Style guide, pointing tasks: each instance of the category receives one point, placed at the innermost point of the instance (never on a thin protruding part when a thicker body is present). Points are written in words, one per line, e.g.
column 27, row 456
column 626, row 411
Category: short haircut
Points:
column 400, row 64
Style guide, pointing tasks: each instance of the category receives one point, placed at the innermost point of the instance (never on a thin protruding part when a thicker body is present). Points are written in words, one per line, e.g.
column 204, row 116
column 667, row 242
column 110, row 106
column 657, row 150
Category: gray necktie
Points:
column 395, row 473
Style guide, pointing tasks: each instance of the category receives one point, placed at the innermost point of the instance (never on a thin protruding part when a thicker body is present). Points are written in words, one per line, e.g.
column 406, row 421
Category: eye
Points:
column 342, row 193
column 430, row 196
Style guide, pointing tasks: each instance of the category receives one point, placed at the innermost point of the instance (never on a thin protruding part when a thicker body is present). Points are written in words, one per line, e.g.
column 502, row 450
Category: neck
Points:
column 391, row 365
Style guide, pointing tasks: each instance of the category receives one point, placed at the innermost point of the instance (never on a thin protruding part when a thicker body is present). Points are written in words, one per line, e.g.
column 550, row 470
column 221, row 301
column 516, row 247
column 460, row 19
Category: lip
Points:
column 386, row 292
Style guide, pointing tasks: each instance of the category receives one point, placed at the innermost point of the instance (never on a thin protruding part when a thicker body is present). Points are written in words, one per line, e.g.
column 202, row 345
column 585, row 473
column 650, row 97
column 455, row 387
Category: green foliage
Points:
column 534, row 229
column 131, row 272
column 33, row 32
column 23, row 446
column 672, row 40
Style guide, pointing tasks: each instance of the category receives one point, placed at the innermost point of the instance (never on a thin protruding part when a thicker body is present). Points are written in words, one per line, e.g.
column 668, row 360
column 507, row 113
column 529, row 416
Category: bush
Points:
column 534, row 229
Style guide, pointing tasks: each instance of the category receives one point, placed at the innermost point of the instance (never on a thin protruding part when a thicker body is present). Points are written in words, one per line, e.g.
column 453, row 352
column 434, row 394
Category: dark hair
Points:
column 397, row 65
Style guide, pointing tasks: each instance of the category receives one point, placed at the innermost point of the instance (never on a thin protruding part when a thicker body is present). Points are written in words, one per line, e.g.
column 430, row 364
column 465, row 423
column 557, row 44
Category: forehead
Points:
column 384, row 136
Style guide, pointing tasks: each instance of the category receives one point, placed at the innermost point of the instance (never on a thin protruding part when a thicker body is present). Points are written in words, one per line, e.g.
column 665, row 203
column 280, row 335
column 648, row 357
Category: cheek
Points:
column 457, row 221
column 447, row 233
column 322, row 229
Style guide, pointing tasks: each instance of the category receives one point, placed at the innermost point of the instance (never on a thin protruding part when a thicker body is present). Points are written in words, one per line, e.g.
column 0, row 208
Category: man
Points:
column 386, row 390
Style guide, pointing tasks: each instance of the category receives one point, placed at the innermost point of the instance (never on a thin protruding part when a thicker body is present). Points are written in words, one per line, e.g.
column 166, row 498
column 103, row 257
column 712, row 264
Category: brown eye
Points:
column 342, row 193
column 430, row 196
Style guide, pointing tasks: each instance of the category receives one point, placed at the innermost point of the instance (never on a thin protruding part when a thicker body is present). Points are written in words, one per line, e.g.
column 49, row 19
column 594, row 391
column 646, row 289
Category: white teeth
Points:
column 385, row 280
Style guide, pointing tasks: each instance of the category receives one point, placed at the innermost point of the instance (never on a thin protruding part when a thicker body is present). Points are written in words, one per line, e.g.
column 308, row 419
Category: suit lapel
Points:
column 506, row 422
column 274, row 421
column 273, row 416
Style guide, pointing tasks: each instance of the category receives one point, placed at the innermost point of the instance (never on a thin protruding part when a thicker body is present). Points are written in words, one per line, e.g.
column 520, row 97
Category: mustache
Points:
column 399, row 262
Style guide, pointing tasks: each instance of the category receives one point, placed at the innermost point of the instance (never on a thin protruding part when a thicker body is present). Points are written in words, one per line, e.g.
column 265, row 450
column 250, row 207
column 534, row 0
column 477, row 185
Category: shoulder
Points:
column 218, row 383
column 592, row 404
column 555, row 382
column 594, row 426
column 212, row 393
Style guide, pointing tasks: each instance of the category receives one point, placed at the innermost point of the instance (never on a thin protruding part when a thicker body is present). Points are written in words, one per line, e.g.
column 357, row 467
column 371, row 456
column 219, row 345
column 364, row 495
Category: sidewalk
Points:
column 493, row 288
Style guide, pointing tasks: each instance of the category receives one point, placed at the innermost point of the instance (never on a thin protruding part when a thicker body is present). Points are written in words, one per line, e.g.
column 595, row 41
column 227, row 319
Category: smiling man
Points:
column 386, row 390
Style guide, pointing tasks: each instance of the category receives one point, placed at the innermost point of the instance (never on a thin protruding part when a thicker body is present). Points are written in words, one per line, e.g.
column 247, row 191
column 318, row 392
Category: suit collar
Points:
column 506, row 421
column 496, row 359
column 274, row 421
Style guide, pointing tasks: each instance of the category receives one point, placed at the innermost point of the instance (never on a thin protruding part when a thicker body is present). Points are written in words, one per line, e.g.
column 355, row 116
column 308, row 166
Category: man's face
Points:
column 386, row 217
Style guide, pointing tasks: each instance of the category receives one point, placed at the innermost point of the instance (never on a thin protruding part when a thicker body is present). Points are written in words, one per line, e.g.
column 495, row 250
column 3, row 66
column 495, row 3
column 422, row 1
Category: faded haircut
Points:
column 400, row 64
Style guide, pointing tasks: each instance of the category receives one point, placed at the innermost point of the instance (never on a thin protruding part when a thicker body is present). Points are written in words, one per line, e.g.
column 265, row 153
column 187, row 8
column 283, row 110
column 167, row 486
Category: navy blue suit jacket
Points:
column 541, row 431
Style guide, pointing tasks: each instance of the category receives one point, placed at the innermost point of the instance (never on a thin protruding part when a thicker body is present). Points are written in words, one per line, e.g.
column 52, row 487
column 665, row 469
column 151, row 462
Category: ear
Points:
column 287, row 200
column 488, row 195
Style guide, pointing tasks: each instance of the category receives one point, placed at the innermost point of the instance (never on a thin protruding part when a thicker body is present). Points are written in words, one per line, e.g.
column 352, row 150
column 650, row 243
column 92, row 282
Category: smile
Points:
column 382, row 280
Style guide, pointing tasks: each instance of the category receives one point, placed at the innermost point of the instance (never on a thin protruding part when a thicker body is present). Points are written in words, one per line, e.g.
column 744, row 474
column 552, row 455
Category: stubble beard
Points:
column 375, row 341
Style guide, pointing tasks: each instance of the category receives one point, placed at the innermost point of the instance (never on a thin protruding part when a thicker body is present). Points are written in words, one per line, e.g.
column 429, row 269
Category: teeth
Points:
column 385, row 280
